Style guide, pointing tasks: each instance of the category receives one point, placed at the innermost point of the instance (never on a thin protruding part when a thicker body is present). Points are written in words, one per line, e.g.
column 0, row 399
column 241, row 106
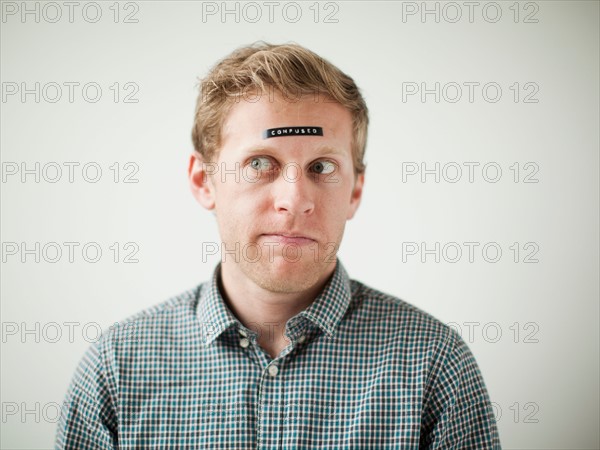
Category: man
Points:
column 280, row 349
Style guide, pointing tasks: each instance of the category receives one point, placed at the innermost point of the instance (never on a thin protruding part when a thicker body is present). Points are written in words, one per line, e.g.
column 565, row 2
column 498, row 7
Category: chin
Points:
column 284, row 276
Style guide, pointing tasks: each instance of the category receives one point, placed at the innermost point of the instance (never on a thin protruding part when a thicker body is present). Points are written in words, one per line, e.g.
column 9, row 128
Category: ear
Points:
column 356, row 195
column 200, row 182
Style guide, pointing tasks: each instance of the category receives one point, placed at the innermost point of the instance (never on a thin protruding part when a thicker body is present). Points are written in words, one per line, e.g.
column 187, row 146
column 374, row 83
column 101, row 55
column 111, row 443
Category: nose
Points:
column 293, row 194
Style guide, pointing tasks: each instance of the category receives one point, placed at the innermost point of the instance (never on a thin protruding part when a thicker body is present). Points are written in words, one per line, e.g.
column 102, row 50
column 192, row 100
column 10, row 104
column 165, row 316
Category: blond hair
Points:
column 286, row 68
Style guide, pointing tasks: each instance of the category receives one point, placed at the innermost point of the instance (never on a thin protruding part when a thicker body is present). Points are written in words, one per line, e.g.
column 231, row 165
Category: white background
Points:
column 541, row 371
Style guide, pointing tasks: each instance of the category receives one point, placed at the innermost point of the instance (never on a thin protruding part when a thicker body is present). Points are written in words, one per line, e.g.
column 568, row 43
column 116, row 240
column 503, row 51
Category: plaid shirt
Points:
column 364, row 370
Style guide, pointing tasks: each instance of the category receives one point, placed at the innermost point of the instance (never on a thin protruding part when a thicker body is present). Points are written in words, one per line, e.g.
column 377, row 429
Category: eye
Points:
column 324, row 167
column 261, row 163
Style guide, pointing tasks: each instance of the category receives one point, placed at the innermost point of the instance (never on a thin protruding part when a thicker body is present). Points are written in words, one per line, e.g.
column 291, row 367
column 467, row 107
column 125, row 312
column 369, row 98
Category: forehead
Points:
column 248, row 119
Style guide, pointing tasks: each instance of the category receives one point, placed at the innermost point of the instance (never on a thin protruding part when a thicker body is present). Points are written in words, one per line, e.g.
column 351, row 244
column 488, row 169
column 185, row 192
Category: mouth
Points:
column 287, row 238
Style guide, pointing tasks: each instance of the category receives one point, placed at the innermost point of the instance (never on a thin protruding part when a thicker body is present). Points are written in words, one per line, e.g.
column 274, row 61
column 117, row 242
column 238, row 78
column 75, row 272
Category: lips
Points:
column 288, row 238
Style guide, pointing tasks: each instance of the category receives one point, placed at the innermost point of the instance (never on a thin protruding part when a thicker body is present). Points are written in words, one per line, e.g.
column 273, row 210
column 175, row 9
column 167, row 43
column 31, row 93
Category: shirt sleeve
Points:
column 458, row 413
column 88, row 417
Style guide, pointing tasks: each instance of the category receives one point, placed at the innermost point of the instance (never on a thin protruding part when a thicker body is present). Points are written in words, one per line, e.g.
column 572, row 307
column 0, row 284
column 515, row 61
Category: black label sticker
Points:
column 292, row 131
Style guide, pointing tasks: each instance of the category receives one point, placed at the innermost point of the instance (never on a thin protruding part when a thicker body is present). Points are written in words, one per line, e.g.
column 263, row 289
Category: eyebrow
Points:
column 324, row 150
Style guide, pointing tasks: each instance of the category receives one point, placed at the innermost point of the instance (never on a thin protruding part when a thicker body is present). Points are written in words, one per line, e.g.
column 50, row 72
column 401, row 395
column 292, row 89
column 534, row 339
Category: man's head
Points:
column 281, row 197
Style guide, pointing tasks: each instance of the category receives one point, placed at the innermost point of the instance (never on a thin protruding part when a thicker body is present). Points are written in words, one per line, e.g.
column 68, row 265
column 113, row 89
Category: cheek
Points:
column 233, row 195
column 335, row 206
column 238, row 204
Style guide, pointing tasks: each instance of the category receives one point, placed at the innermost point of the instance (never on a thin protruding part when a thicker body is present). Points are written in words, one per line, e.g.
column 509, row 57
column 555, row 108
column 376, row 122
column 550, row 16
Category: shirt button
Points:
column 244, row 343
column 242, row 332
column 301, row 339
column 273, row 370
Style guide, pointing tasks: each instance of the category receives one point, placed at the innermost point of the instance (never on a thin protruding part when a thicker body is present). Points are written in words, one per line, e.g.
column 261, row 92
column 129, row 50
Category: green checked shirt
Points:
column 364, row 370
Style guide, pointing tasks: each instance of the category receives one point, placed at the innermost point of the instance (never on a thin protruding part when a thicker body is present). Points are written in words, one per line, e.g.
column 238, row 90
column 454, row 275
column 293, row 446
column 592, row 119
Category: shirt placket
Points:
column 269, row 407
column 271, row 412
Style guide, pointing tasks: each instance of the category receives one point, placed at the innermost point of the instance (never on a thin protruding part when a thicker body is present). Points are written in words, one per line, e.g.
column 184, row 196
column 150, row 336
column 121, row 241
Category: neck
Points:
column 264, row 311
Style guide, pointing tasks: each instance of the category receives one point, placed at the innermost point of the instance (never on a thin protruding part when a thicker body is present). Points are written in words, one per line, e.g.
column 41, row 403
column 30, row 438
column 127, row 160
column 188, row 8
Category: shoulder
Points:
column 374, row 305
column 174, row 311
column 166, row 321
column 401, row 324
column 405, row 332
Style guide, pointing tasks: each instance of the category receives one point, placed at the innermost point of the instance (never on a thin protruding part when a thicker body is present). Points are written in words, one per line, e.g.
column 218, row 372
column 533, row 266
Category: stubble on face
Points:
column 277, row 267
column 292, row 270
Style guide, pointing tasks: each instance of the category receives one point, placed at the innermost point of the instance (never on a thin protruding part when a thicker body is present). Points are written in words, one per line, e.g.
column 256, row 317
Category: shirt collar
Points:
column 326, row 311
